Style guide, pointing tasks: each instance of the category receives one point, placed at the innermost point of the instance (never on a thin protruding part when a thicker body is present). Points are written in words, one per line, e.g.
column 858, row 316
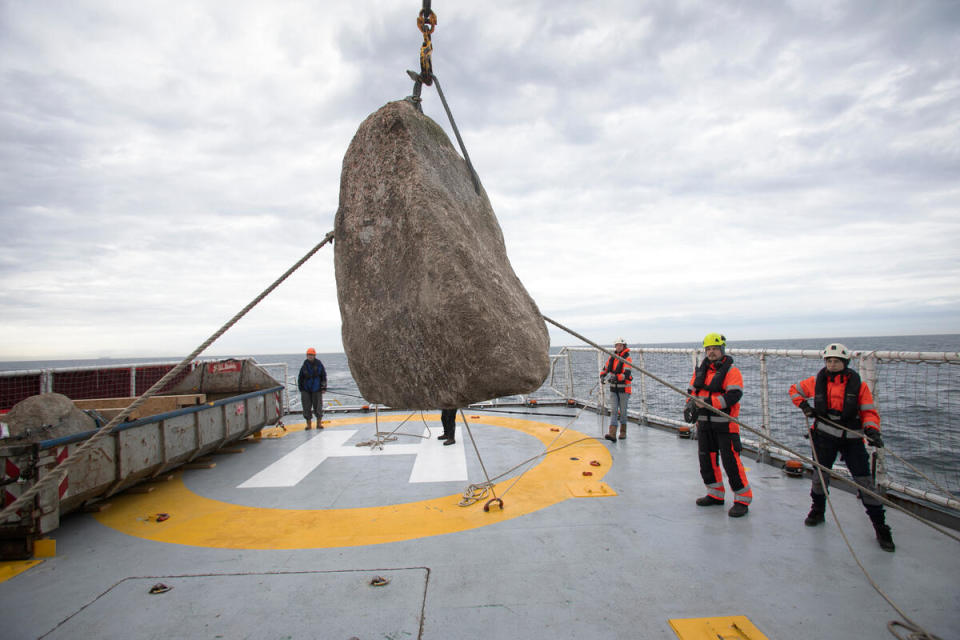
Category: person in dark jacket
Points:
column 312, row 382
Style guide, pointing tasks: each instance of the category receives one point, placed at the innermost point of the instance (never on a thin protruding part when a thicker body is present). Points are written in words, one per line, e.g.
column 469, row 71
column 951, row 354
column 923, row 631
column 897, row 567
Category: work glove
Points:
column 873, row 437
column 690, row 412
column 807, row 409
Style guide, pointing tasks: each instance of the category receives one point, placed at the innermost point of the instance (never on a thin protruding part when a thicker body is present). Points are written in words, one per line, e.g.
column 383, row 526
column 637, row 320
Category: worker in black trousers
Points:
column 448, row 418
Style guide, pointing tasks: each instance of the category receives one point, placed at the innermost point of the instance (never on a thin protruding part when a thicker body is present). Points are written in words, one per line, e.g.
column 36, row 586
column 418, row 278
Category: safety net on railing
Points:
column 918, row 399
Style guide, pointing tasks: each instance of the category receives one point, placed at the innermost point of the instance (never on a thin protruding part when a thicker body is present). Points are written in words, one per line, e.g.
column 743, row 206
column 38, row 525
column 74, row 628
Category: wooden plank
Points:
column 141, row 489
column 200, row 465
column 110, row 414
column 151, row 406
column 97, row 507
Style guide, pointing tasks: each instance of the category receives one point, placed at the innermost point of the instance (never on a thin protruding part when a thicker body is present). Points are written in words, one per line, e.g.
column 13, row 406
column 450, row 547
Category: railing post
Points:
column 643, row 390
column 602, row 396
column 570, row 390
column 869, row 366
column 46, row 381
column 764, row 451
column 133, row 382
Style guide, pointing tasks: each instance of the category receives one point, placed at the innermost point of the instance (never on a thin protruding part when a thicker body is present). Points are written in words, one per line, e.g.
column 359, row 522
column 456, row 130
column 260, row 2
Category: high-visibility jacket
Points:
column 865, row 410
column 622, row 374
column 725, row 395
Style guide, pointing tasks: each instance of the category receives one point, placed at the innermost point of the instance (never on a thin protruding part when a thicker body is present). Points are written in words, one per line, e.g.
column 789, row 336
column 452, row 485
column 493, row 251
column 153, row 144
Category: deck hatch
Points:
column 723, row 627
column 303, row 604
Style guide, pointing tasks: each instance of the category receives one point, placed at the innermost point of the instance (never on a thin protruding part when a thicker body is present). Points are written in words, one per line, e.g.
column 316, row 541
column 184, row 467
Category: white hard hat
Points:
column 620, row 341
column 836, row 350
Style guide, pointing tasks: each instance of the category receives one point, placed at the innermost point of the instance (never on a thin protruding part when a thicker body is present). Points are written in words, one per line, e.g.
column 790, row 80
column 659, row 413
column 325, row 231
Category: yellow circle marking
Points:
column 203, row 522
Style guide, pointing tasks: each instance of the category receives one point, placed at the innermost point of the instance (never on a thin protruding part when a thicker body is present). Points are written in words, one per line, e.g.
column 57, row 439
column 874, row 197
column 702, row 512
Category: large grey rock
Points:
column 433, row 315
column 47, row 416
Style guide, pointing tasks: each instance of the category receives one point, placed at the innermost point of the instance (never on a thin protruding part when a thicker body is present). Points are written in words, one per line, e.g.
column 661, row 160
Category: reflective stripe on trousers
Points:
column 713, row 444
column 855, row 456
column 836, row 432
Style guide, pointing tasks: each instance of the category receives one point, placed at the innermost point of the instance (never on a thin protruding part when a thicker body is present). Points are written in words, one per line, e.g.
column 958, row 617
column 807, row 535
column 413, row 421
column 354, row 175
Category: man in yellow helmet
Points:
column 719, row 384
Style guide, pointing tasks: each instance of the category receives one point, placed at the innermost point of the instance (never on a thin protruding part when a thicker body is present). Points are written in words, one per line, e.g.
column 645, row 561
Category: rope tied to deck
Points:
column 60, row 471
column 478, row 491
column 918, row 633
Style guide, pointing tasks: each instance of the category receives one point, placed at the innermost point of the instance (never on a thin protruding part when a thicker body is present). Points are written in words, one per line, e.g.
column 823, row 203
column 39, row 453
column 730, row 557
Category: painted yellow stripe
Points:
column 198, row 521
column 15, row 568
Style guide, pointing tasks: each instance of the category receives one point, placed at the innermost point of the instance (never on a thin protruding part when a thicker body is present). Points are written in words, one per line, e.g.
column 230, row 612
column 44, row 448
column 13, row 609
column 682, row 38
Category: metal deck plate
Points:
column 310, row 604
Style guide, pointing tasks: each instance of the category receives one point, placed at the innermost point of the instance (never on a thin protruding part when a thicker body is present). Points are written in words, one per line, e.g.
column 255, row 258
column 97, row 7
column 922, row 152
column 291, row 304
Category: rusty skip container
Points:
column 134, row 452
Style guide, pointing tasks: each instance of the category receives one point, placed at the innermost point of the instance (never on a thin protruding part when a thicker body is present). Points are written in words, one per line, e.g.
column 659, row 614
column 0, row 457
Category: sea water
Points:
column 917, row 424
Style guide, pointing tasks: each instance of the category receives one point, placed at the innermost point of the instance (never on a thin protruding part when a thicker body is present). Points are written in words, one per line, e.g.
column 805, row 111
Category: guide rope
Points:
column 887, row 450
column 755, row 431
column 918, row 632
column 476, row 492
column 56, row 476
column 427, row 24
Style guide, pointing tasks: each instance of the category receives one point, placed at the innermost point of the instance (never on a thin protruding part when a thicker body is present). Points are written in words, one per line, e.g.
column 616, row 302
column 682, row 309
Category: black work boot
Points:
column 738, row 510
column 814, row 518
column 708, row 501
column 884, row 538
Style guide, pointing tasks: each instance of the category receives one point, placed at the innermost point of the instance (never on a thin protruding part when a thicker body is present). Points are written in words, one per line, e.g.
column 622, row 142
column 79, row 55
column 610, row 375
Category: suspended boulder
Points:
column 433, row 315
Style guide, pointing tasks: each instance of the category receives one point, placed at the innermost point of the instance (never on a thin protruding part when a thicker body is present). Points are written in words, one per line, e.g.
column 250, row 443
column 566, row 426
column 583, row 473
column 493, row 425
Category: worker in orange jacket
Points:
column 719, row 384
column 840, row 396
column 620, row 377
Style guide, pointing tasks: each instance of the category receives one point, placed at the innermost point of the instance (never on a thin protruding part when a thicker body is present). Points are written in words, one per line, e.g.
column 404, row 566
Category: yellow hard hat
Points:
column 714, row 340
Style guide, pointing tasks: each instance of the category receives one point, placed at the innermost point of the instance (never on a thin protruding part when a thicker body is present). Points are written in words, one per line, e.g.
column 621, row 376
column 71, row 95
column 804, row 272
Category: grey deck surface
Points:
column 617, row 567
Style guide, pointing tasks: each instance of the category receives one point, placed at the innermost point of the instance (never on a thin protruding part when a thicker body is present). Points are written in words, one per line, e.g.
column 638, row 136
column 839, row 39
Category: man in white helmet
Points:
column 620, row 377
column 840, row 397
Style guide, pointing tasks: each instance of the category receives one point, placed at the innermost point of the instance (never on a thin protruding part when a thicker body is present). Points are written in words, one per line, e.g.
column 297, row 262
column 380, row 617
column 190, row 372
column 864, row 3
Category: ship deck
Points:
column 284, row 539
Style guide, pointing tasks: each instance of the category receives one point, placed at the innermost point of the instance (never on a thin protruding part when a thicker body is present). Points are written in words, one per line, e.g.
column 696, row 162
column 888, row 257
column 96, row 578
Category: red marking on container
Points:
column 230, row 366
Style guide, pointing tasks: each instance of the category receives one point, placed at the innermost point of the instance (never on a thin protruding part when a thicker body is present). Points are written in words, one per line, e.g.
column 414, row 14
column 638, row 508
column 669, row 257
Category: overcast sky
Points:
column 660, row 169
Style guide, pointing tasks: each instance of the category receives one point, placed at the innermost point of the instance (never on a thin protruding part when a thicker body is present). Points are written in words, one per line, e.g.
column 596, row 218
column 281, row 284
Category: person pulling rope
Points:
column 917, row 632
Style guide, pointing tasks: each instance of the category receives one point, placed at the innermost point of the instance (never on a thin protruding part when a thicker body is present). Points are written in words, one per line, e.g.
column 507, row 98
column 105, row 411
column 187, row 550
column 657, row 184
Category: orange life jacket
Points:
column 622, row 374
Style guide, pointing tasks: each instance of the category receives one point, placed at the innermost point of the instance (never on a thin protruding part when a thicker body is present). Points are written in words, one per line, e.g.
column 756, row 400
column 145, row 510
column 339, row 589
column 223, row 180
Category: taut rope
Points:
column 60, row 471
